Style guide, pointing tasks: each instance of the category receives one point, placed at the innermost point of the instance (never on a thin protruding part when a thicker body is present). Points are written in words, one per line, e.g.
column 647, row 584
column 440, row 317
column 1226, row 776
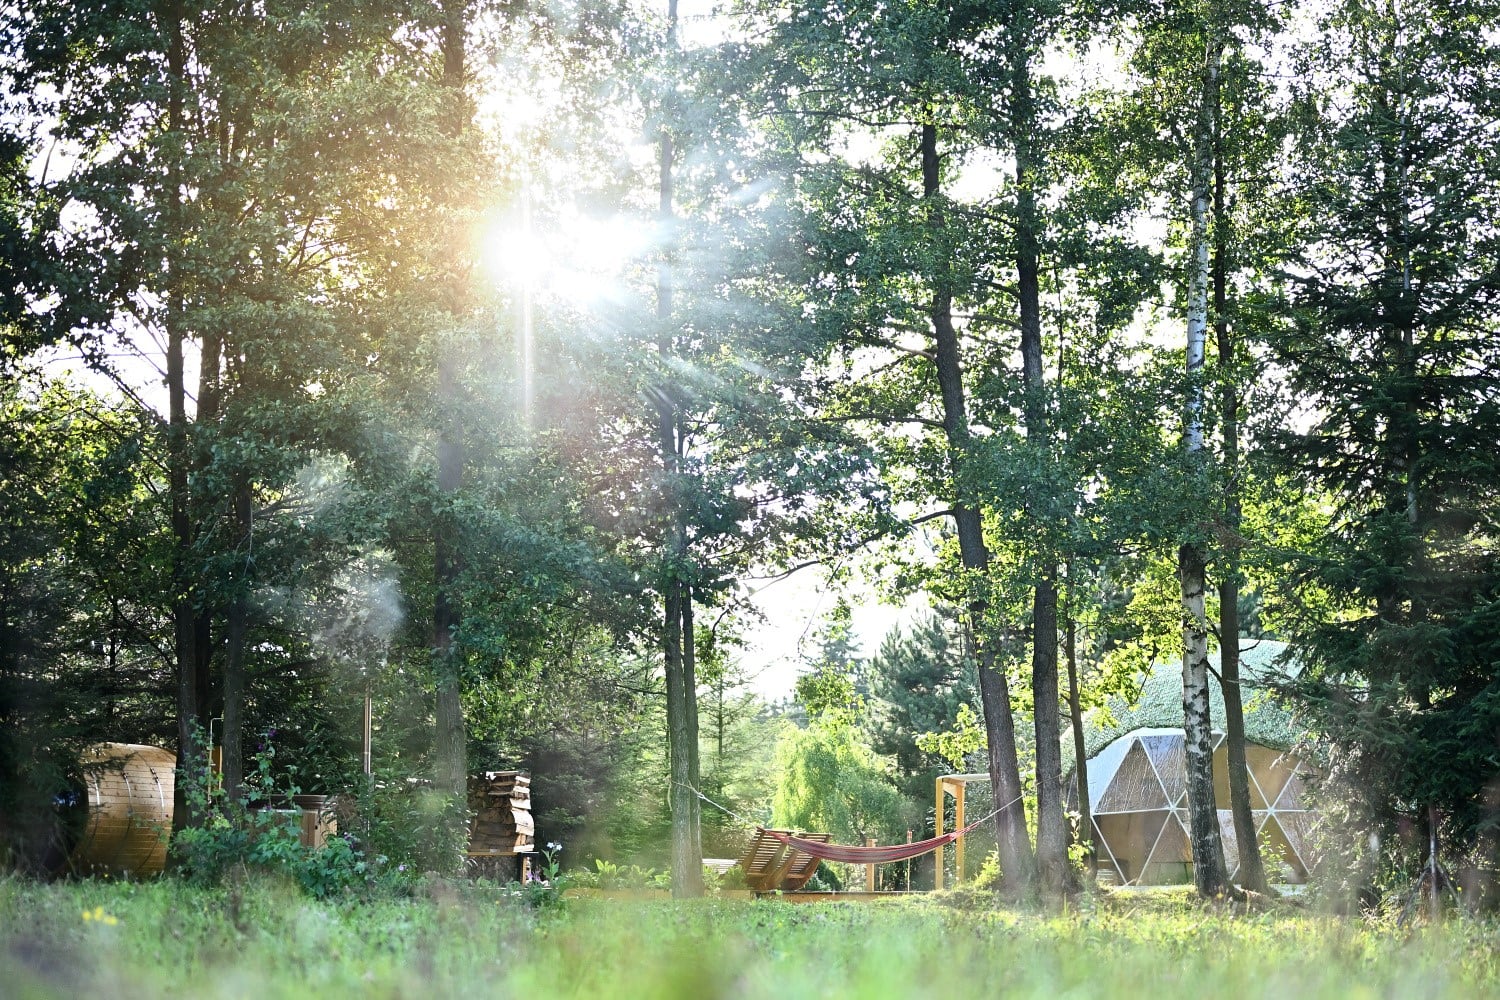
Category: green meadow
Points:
column 268, row 939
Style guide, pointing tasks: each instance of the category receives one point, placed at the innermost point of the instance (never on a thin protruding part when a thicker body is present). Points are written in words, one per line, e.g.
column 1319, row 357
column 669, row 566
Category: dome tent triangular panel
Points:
column 1272, row 770
column 1298, row 829
column 1275, row 836
column 1171, row 858
column 1293, row 793
column 1134, row 786
column 1108, row 866
column 1131, row 836
column 1167, row 757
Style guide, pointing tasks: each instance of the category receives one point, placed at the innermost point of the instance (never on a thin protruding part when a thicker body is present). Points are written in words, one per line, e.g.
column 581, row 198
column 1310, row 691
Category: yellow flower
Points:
column 97, row 913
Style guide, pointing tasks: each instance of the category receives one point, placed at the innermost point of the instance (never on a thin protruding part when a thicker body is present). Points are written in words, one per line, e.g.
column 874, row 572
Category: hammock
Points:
column 869, row 855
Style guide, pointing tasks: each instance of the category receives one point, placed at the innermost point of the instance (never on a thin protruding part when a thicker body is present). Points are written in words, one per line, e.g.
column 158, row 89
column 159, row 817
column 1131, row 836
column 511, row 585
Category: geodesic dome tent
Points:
column 1138, row 780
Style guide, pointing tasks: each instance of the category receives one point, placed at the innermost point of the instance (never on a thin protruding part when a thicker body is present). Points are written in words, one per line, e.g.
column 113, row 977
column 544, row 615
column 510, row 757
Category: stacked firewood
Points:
column 500, row 802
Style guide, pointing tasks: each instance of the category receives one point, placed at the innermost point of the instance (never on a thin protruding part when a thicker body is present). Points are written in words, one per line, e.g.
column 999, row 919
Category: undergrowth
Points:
column 267, row 938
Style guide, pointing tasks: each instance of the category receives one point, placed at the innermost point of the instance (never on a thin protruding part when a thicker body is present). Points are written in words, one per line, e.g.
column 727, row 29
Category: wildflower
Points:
column 98, row 915
column 554, row 845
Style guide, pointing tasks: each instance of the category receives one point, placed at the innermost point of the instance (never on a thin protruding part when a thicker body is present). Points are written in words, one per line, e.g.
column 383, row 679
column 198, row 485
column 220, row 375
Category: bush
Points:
column 234, row 836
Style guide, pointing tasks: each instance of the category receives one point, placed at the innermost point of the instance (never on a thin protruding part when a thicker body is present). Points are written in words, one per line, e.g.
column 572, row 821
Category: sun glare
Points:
column 575, row 258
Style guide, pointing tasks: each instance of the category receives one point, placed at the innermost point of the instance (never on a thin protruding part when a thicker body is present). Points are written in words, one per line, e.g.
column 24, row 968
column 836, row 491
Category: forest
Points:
column 399, row 391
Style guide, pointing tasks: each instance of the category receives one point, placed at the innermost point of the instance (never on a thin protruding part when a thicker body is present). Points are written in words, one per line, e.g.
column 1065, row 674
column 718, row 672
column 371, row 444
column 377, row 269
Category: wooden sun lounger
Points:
column 770, row 865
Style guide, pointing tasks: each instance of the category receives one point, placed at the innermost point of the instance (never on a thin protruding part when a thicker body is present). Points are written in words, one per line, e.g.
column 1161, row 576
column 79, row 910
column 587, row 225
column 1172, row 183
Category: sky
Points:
column 793, row 608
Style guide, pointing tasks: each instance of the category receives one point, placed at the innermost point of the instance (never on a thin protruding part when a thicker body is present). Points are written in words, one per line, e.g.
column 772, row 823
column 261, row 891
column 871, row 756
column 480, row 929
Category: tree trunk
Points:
column 677, row 627
column 233, row 760
column 1017, row 864
column 1080, row 748
column 1051, row 825
column 1057, row 876
column 450, row 748
column 1208, row 851
column 449, row 744
column 190, row 758
column 1252, row 874
column 687, row 836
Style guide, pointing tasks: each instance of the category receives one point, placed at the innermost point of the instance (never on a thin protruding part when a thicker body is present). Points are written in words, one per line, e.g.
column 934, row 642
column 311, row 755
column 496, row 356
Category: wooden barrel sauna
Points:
column 129, row 810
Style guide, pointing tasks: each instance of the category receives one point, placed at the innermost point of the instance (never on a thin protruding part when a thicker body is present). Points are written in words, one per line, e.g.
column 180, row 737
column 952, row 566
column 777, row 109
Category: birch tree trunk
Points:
column 1209, row 873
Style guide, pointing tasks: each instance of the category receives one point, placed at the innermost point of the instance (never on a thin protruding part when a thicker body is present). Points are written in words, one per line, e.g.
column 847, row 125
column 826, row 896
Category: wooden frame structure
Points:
column 951, row 784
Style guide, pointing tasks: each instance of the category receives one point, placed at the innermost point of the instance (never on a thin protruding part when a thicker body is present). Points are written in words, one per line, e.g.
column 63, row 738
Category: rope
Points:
column 723, row 809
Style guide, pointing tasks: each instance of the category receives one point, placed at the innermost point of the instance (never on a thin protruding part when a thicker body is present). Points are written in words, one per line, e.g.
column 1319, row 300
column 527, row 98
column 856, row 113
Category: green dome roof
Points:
column 1159, row 704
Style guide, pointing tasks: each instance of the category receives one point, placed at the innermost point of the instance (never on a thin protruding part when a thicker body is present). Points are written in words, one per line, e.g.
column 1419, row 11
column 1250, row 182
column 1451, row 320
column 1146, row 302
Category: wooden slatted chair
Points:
column 770, row 865
column 803, row 866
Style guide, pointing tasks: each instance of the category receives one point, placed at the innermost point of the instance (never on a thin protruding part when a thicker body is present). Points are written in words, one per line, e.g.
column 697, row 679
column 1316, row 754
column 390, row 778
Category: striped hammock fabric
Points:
column 869, row 855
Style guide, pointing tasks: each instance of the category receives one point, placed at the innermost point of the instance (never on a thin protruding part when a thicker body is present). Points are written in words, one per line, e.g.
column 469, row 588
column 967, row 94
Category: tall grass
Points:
column 268, row 939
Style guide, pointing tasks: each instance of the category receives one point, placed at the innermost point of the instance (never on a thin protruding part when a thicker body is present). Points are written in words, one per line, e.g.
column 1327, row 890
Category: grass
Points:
column 269, row 940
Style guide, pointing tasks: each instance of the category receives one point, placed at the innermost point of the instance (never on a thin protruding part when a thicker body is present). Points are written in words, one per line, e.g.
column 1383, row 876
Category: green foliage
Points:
column 81, row 577
column 826, row 691
column 1157, row 703
column 921, row 682
column 608, row 875
column 954, row 745
column 408, row 825
column 248, row 835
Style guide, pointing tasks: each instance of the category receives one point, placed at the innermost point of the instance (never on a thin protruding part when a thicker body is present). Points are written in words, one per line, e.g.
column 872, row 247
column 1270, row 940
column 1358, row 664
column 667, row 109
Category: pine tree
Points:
column 1392, row 345
column 918, row 680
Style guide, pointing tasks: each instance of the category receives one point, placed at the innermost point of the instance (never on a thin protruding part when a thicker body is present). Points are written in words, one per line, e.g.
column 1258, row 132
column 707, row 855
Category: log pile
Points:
column 500, row 802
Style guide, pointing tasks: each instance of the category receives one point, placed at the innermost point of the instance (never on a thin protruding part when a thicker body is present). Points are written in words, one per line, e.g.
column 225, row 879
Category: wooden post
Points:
column 958, row 824
column 365, row 745
column 906, row 886
column 937, row 831
column 869, row 869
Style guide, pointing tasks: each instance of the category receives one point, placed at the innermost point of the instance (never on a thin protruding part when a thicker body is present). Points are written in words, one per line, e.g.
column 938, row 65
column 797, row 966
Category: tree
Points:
column 1391, row 338
column 82, row 621
column 1209, row 872
column 891, row 254
column 828, row 779
column 1024, row 28
column 677, row 582
column 919, row 679
column 214, row 213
